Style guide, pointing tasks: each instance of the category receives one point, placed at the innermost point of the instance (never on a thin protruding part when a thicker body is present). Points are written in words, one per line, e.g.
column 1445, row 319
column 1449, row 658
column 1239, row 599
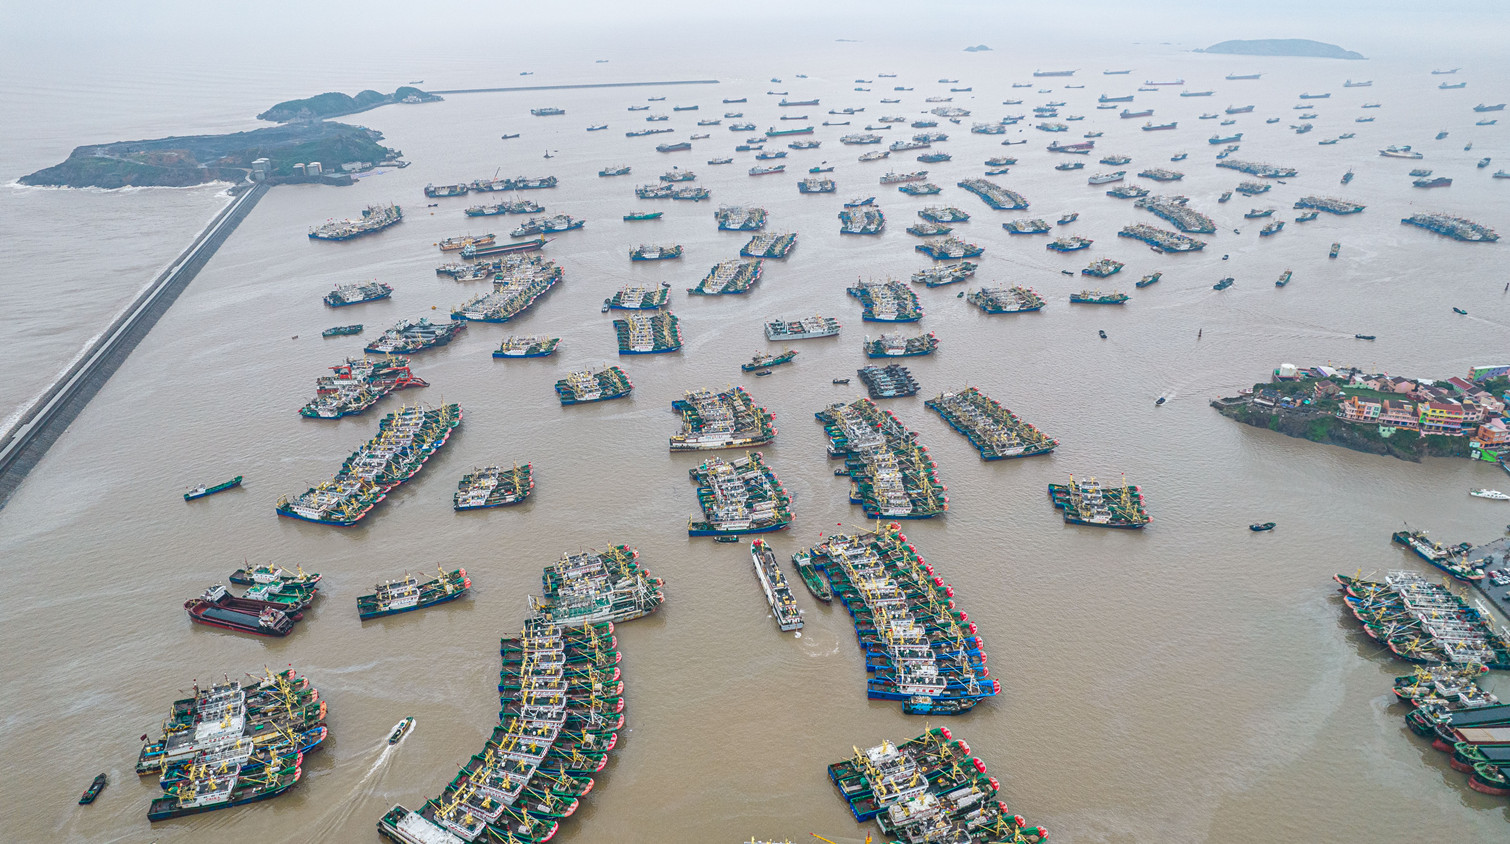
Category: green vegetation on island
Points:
column 336, row 104
column 195, row 159
column 1302, row 47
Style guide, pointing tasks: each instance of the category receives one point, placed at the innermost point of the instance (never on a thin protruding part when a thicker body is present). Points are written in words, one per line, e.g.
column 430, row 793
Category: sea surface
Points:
column 1190, row 682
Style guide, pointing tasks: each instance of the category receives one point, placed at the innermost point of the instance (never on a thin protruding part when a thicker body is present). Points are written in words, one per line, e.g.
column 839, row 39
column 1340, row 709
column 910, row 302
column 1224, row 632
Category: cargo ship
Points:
column 527, row 347
column 1005, row 300
column 374, row 219
column 618, row 170
column 1437, row 182
column 729, row 277
column 1086, row 502
column 545, row 225
column 1096, row 297
column 805, row 329
column 738, row 218
column 948, row 274
column 655, row 252
column 899, row 346
column 593, row 385
column 680, row 146
column 763, row 360
column 404, row 442
column 728, row 419
column 443, row 191
column 1397, row 151
column 769, row 245
column 218, row 608
column 648, row 334
column 357, row 384
column 1102, row 268
column 738, row 497
column 494, row 487
column 408, row 337
column 409, row 593
column 886, row 301
column 519, row 283
column 894, row 178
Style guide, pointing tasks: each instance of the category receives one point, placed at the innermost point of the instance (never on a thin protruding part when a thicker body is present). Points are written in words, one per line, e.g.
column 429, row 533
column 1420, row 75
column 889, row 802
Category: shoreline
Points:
column 27, row 440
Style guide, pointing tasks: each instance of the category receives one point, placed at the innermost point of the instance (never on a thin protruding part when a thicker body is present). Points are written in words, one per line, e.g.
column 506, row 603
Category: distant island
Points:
column 978, row 48
column 336, row 104
column 1283, row 47
column 195, row 159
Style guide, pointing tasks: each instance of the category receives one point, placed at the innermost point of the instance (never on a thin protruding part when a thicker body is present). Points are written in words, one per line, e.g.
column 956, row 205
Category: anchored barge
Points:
column 648, row 334
column 481, row 489
column 995, row 195
column 591, row 385
column 730, row 419
column 355, row 294
column 527, row 347
column 405, row 440
column 408, row 593
column 739, row 497
column 919, row 648
column 996, row 432
column 1424, row 622
column 886, row 301
column 777, row 593
column 768, row 245
column 1005, row 300
column 890, row 474
column 806, row 328
column 898, row 346
column 729, row 277
column 357, row 384
column 521, row 280
column 409, row 337
column 374, row 219
column 1086, row 502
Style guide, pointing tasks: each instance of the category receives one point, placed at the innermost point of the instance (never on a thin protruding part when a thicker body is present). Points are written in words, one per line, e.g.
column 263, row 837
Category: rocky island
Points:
column 1302, row 47
column 337, row 104
column 181, row 161
column 978, row 48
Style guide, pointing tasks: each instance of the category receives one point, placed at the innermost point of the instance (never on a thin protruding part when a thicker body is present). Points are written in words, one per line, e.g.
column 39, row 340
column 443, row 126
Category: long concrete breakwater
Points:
column 23, row 446
column 570, row 87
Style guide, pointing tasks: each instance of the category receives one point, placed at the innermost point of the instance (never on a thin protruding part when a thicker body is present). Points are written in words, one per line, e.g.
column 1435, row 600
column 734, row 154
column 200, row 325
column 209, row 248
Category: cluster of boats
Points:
column 949, row 248
column 728, row 419
column 590, row 385
column 729, row 277
column 653, row 333
column 592, row 587
column 374, row 219
column 996, row 432
column 893, row 381
column 518, row 283
column 891, row 475
column 1161, row 240
column 560, row 709
column 929, row 789
column 357, row 384
column 409, row 593
column 494, row 486
column 274, row 600
column 995, row 195
column 407, row 337
column 1452, row 559
column 901, row 346
column 1424, row 622
column 1086, row 502
column 1005, row 300
column 232, row 743
column 738, row 497
column 739, row 218
column 920, row 648
column 1177, row 211
column 932, row 277
column 886, row 301
column 405, row 440
column 769, row 245
column 1462, row 719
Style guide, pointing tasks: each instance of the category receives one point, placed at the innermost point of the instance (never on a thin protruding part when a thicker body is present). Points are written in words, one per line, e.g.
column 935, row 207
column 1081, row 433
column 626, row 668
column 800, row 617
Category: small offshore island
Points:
column 1301, row 47
column 182, row 161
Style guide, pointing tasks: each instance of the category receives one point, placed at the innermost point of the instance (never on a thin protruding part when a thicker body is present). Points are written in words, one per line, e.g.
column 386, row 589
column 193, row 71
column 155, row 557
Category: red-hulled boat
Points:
column 217, row 608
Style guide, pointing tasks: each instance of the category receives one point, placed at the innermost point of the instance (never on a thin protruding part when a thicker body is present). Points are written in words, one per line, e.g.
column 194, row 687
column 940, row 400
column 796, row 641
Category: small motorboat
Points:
column 400, row 730
column 508, row 137
column 1260, row 528
column 1363, row 336
column 1161, row 401
column 762, row 372
column 841, row 380
column 93, row 790
column 726, row 539
column 1491, row 494
column 1460, row 311
column 840, row 472
column 1066, row 272
column 1103, row 334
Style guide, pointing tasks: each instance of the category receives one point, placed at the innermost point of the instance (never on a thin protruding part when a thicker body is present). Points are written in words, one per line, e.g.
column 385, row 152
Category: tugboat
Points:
column 400, row 730
column 201, row 491
column 1261, row 527
column 93, row 790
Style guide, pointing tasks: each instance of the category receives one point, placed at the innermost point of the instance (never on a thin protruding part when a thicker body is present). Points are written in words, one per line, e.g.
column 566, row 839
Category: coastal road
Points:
column 23, row 446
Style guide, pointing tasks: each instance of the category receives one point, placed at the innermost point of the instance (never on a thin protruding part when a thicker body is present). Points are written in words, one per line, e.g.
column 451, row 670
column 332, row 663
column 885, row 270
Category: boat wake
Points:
column 324, row 828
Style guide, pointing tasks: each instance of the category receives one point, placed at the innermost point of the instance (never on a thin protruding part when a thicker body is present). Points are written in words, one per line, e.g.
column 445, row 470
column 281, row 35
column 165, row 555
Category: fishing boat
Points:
column 812, row 577
column 93, row 790
column 656, row 252
column 996, row 432
column 762, row 361
column 1087, row 502
column 1223, row 284
column 527, row 347
column 783, row 605
column 643, row 215
column 400, row 730
column 593, row 385
column 1452, row 559
column 409, row 593
column 1151, row 278
column 1256, row 528
column 493, row 486
column 727, row 419
column 355, row 294
column 1284, row 278
column 374, row 219
column 201, row 491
